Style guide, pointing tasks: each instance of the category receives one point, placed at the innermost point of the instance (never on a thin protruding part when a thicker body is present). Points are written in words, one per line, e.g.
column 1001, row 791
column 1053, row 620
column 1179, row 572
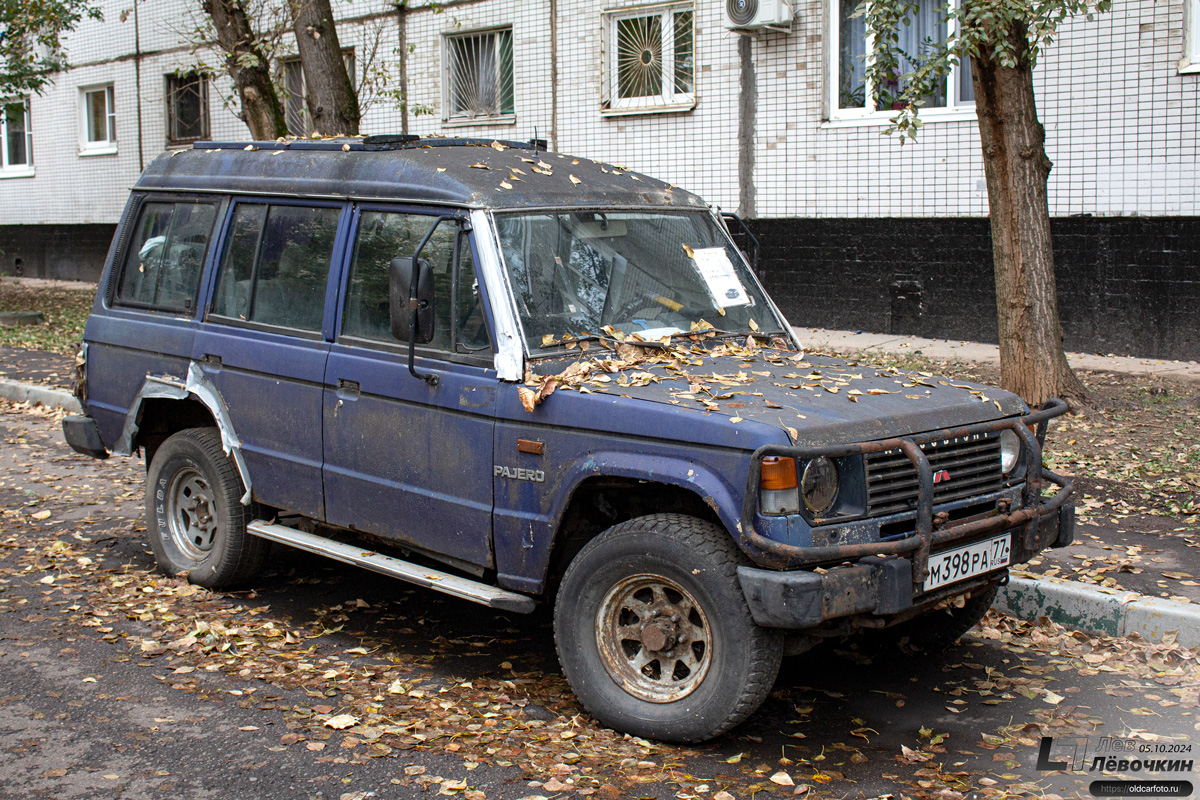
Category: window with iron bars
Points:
column 295, row 93
column 479, row 77
column 187, row 108
column 649, row 60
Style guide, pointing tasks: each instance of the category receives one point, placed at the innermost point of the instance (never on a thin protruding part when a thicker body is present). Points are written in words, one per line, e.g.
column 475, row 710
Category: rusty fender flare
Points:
column 196, row 385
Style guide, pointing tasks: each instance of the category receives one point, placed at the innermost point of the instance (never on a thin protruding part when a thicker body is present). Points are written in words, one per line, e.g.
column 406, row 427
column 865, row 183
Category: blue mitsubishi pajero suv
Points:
column 558, row 381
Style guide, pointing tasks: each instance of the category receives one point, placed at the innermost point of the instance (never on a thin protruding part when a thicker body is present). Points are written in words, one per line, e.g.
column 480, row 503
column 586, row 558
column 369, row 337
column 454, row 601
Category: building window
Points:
column 16, row 139
column 187, row 108
column 479, row 76
column 299, row 121
column 650, row 60
column 852, row 95
column 99, row 120
column 1191, row 37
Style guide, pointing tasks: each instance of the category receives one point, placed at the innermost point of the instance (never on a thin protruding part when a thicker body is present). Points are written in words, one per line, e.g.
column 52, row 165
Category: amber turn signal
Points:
column 778, row 473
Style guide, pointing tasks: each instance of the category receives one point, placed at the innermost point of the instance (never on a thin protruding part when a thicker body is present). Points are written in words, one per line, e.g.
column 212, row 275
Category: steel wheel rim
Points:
column 654, row 638
column 191, row 514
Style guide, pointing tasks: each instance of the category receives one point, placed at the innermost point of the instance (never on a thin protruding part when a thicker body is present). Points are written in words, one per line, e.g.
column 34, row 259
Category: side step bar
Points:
column 491, row 596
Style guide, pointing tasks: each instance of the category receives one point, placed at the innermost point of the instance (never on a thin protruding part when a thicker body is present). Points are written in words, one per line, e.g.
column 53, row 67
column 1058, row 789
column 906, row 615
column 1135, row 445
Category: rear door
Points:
column 263, row 342
column 406, row 459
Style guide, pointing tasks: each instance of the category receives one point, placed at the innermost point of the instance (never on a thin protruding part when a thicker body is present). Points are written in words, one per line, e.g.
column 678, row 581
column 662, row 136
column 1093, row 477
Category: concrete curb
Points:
column 1108, row 612
column 37, row 395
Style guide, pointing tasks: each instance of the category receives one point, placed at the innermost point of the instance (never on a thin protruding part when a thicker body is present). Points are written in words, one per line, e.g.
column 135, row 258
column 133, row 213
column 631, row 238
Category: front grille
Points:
column 971, row 462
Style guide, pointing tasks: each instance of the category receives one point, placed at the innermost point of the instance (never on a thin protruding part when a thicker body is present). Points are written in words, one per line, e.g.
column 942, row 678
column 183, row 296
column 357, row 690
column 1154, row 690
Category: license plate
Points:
column 951, row 566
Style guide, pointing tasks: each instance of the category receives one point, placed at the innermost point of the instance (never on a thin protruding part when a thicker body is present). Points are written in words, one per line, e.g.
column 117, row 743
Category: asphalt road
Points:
column 329, row 682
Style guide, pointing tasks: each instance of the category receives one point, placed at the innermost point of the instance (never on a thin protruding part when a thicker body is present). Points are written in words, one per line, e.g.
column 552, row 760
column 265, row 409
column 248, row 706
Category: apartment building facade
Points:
column 773, row 121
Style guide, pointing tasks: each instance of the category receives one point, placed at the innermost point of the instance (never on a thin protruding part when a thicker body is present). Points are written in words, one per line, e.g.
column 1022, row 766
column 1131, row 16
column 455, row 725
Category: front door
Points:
column 262, row 343
column 408, row 459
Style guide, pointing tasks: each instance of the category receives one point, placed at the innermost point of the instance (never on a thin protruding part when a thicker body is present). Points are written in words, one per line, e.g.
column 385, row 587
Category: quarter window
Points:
column 479, row 76
column 99, row 120
column 853, row 97
column 276, row 265
column 187, row 108
column 16, row 137
column 459, row 321
column 650, row 59
column 166, row 256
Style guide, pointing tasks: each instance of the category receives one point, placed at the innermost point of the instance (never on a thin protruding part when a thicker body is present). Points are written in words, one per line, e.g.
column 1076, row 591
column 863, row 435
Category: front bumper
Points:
column 876, row 585
column 886, row 577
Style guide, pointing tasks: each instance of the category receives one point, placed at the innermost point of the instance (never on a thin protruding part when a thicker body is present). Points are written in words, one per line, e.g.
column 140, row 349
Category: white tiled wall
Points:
column 1122, row 124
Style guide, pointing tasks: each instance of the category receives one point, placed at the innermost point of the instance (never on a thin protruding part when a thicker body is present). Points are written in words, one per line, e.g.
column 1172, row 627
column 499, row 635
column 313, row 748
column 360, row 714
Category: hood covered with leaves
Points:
column 817, row 400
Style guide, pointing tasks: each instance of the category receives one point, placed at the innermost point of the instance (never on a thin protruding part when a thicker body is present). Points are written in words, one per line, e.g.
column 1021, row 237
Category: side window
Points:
column 459, row 322
column 166, row 256
column 276, row 265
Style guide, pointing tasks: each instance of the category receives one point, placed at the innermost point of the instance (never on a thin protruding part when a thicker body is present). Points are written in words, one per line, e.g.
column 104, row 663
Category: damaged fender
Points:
column 197, row 385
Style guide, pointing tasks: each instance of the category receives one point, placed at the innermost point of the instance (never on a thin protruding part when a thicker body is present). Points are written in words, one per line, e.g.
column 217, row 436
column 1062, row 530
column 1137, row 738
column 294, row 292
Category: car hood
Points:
column 816, row 400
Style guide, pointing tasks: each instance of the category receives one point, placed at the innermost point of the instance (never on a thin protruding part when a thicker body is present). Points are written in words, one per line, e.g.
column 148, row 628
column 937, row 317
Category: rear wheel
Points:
column 654, row 634
column 194, row 513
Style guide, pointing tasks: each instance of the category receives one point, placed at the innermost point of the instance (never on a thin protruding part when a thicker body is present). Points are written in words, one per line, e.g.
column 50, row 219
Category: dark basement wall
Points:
column 61, row 252
column 1126, row 285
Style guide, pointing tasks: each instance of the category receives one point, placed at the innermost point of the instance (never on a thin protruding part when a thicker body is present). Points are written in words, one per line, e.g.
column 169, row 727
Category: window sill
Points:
column 656, row 108
column 475, row 122
column 1189, row 65
column 98, row 150
column 16, row 172
column 884, row 118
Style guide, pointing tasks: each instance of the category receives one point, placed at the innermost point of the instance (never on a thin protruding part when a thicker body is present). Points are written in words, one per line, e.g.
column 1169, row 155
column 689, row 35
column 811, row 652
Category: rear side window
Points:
column 276, row 265
column 166, row 256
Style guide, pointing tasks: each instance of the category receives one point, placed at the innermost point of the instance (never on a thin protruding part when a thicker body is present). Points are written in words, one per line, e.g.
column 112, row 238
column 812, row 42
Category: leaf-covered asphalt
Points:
column 329, row 682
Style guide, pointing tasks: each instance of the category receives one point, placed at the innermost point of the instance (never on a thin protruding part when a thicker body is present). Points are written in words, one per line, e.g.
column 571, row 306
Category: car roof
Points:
column 476, row 173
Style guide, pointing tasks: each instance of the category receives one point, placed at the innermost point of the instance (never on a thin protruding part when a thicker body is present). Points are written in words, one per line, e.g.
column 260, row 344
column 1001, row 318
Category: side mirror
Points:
column 402, row 294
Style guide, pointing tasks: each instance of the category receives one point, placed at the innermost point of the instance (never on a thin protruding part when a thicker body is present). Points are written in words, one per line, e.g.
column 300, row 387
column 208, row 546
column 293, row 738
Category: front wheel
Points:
column 194, row 514
column 654, row 634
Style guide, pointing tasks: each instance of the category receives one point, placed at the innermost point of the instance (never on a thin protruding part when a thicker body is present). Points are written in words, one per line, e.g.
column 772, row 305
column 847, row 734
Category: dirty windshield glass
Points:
column 588, row 273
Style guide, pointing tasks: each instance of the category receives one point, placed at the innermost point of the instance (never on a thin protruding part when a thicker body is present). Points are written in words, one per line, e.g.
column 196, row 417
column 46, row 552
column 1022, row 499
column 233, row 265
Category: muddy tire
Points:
column 939, row 629
column 194, row 514
column 654, row 634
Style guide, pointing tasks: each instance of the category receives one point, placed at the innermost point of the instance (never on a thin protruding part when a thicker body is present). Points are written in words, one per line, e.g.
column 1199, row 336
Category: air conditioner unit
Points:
column 747, row 14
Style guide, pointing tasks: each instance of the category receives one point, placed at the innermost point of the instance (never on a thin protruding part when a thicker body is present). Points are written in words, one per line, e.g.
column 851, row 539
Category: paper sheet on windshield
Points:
column 716, row 269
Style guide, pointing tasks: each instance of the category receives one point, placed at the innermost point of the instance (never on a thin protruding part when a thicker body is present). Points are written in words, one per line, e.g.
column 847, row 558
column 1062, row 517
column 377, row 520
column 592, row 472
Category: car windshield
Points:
column 620, row 273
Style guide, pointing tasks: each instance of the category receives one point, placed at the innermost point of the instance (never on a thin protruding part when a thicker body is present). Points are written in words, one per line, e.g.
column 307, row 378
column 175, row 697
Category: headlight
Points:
column 819, row 485
column 1010, row 450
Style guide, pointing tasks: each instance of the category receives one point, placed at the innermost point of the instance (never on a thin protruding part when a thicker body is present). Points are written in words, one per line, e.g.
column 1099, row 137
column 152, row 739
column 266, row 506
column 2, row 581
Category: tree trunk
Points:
column 1032, row 362
column 248, row 67
column 332, row 102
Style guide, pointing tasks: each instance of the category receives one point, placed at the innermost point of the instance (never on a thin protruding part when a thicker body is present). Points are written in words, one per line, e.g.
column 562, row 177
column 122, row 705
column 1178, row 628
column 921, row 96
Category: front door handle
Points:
column 347, row 389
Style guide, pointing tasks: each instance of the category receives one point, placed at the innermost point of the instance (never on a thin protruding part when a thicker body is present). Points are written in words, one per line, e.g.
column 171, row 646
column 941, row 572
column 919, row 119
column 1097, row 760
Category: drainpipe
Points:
column 137, row 80
column 554, row 75
column 402, row 35
column 747, row 113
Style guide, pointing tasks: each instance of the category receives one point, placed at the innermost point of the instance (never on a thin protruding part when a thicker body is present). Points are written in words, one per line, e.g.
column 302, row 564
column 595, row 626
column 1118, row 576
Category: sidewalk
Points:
column 968, row 352
column 43, row 378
